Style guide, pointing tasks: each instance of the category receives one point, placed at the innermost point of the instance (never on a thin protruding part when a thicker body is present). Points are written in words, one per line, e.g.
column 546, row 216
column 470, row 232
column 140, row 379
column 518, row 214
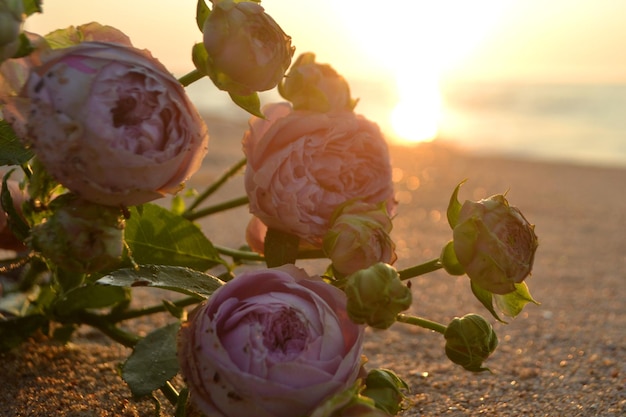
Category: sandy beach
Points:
column 566, row 357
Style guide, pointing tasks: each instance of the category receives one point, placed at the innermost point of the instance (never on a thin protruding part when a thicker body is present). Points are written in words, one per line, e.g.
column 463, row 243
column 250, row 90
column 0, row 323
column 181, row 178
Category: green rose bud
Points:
column 469, row 341
column 11, row 18
column 316, row 87
column 247, row 50
column 80, row 236
column 386, row 389
column 359, row 237
column 494, row 243
column 349, row 403
column 376, row 295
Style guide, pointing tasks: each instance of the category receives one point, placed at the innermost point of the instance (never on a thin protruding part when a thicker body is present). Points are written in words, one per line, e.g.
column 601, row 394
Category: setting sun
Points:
column 417, row 44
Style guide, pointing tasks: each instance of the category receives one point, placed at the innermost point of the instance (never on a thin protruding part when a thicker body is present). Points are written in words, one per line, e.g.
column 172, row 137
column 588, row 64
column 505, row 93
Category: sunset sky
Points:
column 413, row 45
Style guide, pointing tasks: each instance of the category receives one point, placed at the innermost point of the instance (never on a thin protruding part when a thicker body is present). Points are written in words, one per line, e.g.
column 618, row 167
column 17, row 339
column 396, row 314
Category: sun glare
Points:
column 418, row 43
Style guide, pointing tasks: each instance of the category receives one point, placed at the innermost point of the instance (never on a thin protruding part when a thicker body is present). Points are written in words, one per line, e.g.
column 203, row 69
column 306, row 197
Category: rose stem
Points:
column 108, row 328
column 227, row 205
column 190, row 77
column 421, row 269
column 133, row 314
column 216, row 185
column 170, row 393
column 418, row 321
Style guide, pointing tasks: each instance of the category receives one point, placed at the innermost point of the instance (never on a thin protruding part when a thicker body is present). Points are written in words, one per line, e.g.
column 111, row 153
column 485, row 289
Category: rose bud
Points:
column 494, row 243
column 302, row 165
column 269, row 343
column 359, row 237
column 469, row 341
column 376, row 295
column 316, row 87
column 386, row 389
column 80, row 236
column 109, row 122
column 8, row 241
column 11, row 19
column 247, row 50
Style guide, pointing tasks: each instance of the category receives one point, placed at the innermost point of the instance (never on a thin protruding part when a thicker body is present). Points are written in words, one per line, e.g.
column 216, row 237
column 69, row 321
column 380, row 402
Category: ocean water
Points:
column 576, row 123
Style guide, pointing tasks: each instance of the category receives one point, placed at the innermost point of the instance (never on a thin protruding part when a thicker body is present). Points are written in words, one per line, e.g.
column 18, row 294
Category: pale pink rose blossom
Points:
column 269, row 343
column 303, row 165
column 109, row 122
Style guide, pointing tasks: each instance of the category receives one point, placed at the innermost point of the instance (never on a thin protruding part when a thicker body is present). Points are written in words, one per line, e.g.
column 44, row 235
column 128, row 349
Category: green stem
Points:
column 418, row 321
column 226, row 205
column 239, row 254
column 216, row 185
column 190, row 77
column 108, row 328
column 170, row 393
column 421, row 269
column 116, row 317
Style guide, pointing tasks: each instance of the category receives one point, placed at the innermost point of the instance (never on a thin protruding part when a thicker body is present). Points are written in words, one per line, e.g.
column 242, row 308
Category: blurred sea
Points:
column 577, row 123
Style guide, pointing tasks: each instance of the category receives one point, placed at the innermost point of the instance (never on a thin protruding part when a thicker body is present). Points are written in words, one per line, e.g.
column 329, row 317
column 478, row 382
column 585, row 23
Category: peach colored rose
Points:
column 303, row 165
column 109, row 122
column 269, row 343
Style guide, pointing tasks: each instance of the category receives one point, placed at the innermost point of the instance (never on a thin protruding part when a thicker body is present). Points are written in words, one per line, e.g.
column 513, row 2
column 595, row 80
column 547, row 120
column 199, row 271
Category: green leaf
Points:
column 159, row 237
column 486, row 298
column 513, row 303
column 454, row 207
column 202, row 13
column 174, row 278
column 153, row 361
column 251, row 103
column 200, row 58
column 32, row 6
column 449, row 260
column 89, row 297
column 16, row 330
column 18, row 226
column 12, row 151
column 280, row 248
column 25, row 47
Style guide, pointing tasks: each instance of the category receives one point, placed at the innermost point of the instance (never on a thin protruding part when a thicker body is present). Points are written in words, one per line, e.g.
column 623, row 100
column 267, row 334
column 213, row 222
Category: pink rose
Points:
column 269, row 343
column 303, row 165
column 247, row 50
column 109, row 122
column 359, row 237
column 494, row 243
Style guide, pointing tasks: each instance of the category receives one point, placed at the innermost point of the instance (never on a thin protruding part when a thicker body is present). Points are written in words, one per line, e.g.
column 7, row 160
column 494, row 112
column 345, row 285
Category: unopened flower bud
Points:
column 494, row 243
column 81, row 236
column 316, row 87
column 469, row 341
column 359, row 237
column 247, row 49
column 386, row 389
column 11, row 18
column 376, row 295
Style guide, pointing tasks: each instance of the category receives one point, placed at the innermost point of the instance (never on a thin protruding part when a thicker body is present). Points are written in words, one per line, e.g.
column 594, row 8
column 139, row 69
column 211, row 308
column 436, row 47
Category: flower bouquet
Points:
column 94, row 130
